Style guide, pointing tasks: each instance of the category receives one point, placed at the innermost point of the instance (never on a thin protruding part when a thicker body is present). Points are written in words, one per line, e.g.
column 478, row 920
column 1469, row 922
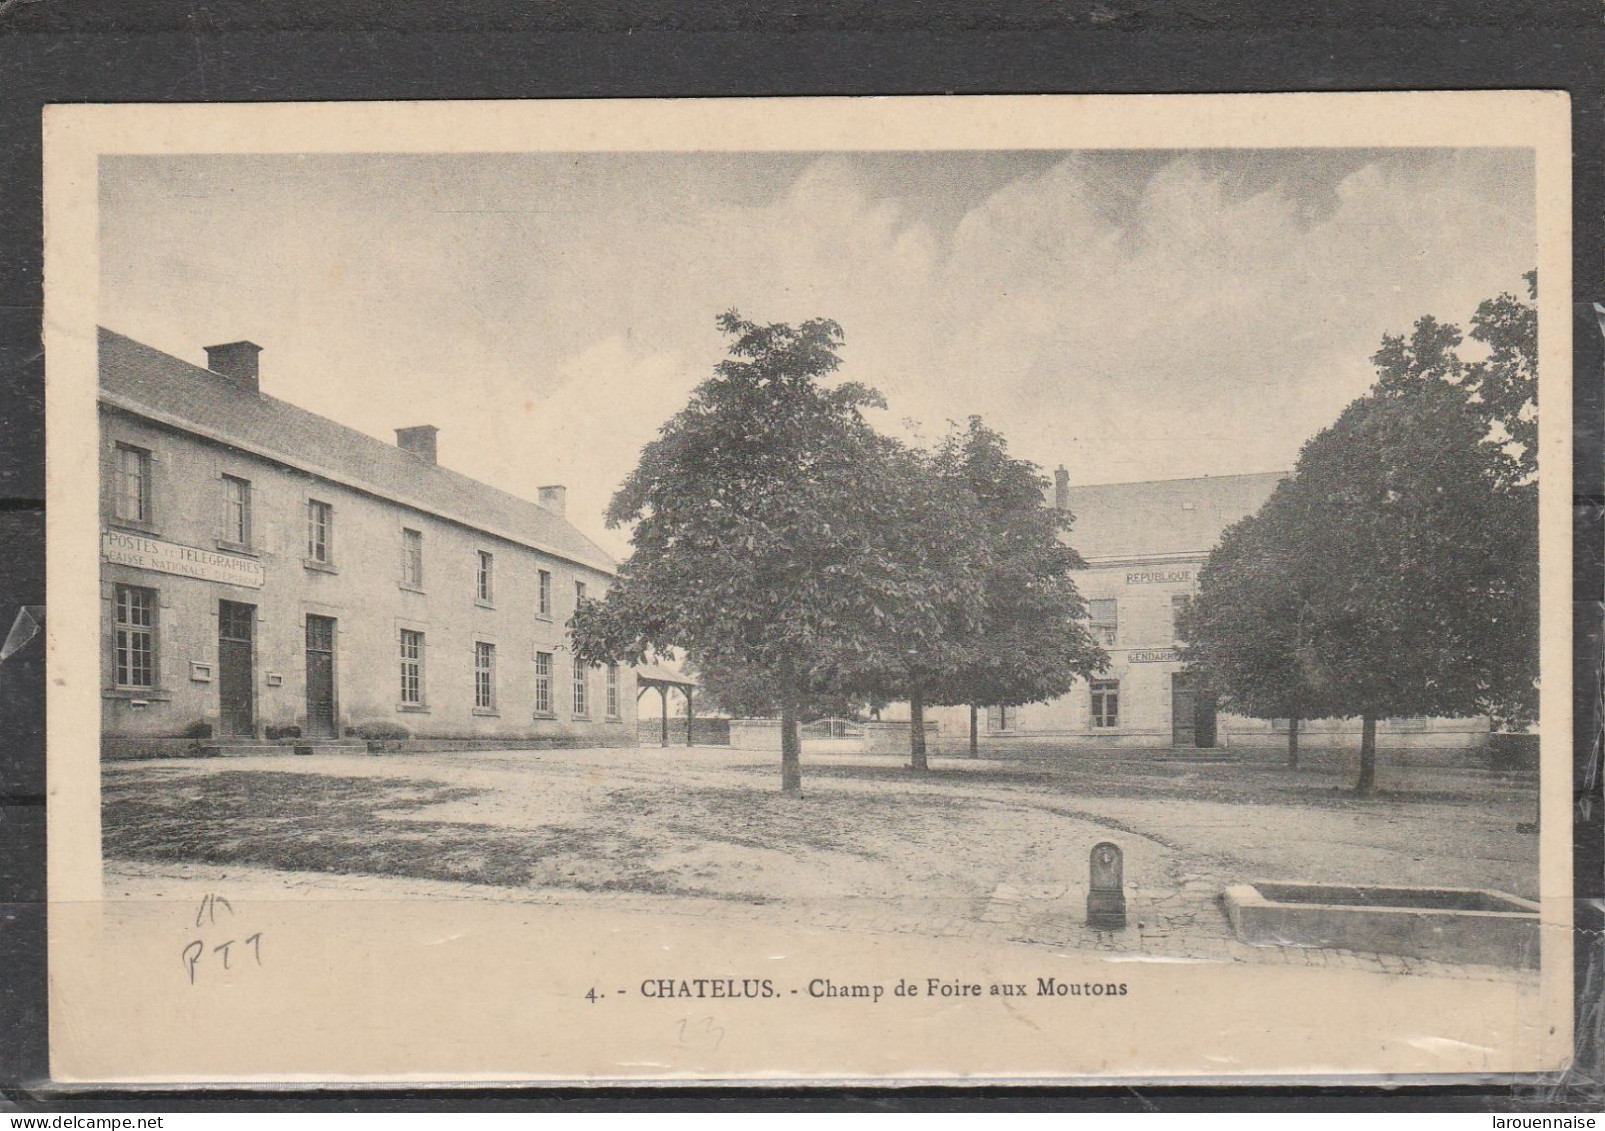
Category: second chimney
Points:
column 1061, row 489
column 555, row 499
column 237, row 361
column 418, row 440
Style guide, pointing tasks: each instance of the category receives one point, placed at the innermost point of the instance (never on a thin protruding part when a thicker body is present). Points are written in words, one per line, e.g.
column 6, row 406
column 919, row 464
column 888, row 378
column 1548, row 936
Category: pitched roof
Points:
column 147, row 382
column 660, row 673
column 1164, row 516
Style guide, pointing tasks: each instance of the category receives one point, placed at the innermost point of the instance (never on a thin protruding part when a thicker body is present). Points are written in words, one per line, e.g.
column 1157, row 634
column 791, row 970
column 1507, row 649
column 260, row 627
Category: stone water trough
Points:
column 1465, row 926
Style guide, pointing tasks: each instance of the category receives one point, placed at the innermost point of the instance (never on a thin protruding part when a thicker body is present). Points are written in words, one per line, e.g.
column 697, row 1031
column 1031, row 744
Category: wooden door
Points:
column 1203, row 718
column 236, row 677
column 1192, row 713
column 320, row 677
column 1183, row 726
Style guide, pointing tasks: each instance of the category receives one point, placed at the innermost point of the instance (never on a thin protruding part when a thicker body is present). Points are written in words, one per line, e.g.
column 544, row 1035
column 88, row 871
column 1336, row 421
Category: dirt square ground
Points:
column 978, row 849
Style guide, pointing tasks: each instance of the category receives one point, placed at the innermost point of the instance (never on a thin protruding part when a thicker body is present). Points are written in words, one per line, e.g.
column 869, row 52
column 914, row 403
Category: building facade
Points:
column 269, row 574
column 1144, row 544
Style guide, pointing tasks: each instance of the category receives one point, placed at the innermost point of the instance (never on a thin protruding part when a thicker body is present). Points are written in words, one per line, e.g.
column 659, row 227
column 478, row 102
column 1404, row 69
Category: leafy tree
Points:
column 1405, row 547
column 1503, row 386
column 936, row 556
column 1031, row 641
column 1249, row 629
column 776, row 532
column 747, row 693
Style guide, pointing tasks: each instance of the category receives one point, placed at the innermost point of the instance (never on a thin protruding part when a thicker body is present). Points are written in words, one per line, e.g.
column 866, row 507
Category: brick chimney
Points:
column 419, row 440
column 237, row 361
column 1061, row 489
column 555, row 499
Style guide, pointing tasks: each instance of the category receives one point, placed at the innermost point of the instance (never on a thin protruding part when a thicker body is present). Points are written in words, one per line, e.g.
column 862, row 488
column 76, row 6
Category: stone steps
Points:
column 248, row 748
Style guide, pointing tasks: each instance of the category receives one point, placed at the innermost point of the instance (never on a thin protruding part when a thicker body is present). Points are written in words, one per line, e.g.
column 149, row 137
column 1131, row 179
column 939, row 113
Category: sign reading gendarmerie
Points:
column 186, row 561
column 1152, row 656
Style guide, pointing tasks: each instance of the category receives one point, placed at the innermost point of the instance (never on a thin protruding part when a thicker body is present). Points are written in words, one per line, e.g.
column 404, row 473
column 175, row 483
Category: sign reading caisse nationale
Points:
column 186, row 561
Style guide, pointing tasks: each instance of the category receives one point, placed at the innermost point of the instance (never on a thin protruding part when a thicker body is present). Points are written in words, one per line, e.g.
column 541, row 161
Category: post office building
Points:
column 269, row 575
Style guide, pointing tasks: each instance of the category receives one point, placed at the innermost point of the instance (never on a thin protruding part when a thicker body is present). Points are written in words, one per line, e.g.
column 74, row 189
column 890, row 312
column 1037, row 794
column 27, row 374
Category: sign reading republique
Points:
column 186, row 561
column 1159, row 576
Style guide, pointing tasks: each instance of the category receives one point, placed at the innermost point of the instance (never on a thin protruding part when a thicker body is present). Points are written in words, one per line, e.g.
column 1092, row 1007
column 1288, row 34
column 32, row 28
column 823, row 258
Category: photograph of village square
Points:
column 1117, row 551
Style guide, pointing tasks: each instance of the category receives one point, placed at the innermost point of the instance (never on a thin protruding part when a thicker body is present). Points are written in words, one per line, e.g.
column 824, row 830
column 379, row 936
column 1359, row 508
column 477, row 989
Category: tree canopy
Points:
column 1251, row 628
column 1396, row 572
column 776, row 532
column 1030, row 642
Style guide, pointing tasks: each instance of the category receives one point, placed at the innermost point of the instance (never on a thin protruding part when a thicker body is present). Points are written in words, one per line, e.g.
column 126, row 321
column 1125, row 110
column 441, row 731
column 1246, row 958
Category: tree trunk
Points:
column 790, row 750
column 1292, row 743
column 1368, row 755
column 975, row 731
column 916, row 731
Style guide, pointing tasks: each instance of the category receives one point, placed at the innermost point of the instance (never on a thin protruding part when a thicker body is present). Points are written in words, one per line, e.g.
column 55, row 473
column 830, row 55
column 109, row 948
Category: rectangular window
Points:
column 579, row 592
column 412, row 667
column 135, row 639
column 543, row 683
column 132, row 503
column 1104, row 613
column 1105, row 703
column 999, row 718
column 320, row 531
column 612, row 691
column 545, row 590
column 484, row 587
column 412, row 558
column 484, row 675
column 1178, row 606
column 236, row 510
column 579, row 688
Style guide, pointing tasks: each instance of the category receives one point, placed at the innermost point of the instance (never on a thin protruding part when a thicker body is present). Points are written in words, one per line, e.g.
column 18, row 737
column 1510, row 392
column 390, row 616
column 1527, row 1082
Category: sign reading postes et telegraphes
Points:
column 1159, row 577
column 186, row 561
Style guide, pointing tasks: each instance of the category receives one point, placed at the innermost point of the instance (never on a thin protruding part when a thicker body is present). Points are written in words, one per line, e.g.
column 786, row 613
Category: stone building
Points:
column 1144, row 544
column 267, row 573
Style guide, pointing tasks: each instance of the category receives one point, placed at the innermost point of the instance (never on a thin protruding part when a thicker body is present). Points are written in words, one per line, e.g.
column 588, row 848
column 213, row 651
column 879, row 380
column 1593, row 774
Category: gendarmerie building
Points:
column 270, row 575
column 1144, row 544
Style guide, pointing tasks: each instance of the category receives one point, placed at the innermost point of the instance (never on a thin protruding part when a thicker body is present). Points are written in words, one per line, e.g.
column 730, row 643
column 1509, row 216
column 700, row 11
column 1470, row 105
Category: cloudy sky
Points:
column 1132, row 315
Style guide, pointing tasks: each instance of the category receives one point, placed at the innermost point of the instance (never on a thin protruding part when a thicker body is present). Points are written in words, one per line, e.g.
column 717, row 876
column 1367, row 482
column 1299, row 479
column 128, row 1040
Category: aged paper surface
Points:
column 217, row 971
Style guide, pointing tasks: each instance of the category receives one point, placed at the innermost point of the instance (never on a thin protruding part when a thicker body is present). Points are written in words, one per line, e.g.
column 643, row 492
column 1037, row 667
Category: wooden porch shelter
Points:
column 649, row 676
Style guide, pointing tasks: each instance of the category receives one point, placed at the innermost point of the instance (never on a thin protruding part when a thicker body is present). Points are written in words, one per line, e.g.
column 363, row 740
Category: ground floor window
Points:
column 579, row 688
column 134, row 641
column 412, row 667
column 543, row 683
column 999, row 718
column 484, row 675
column 612, row 691
column 1105, row 703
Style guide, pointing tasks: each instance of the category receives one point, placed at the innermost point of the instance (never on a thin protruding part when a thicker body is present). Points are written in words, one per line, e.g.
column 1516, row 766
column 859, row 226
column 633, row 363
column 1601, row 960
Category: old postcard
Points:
column 997, row 588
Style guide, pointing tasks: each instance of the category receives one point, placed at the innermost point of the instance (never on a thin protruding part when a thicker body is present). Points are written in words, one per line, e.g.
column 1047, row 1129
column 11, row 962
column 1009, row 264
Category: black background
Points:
column 127, row 51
